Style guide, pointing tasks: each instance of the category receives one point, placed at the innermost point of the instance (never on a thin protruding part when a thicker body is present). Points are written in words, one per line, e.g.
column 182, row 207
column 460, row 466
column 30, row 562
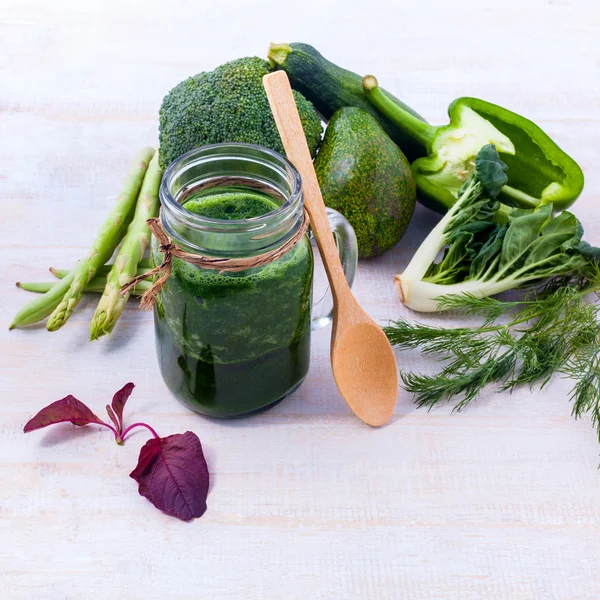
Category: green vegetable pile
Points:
column 443, row 158
column 502, row 184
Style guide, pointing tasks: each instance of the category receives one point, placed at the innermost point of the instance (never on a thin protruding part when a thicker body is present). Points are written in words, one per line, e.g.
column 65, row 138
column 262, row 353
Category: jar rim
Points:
column 281, row 164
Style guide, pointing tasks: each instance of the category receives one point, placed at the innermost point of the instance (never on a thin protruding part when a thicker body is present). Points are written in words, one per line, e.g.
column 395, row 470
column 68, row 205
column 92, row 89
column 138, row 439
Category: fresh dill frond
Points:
column 468, row 304
column 429, row 339
column 584, row 368
column 525, row 342
column 458, row 378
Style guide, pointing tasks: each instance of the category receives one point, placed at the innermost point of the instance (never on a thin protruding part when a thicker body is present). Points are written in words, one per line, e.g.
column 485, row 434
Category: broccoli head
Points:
column 228, row 104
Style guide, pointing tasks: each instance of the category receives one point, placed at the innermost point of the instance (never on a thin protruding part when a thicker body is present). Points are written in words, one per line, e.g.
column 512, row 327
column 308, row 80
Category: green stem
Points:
column 422, row 132
column 502, row 214
column 278, row 53
column 41, row 307
column 37, row 287
column 589, row 290
column 96, row 285
column 514, row 322
column 520, row 198
column 101, row 273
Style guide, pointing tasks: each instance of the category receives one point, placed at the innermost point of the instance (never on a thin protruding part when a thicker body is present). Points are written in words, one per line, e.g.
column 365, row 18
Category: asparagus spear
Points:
column 41, row 307
column 104, row 245
column 38, row 287
column 145, row 265
column 112, row 303
column 101, row 273
column 95, row 285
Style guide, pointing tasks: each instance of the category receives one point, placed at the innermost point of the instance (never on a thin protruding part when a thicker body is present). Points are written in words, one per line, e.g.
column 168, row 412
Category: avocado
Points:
column 365, row 176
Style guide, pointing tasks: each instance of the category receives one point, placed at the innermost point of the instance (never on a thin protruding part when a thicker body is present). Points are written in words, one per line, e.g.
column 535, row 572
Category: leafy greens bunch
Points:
column 551, row 330
column 483, row 257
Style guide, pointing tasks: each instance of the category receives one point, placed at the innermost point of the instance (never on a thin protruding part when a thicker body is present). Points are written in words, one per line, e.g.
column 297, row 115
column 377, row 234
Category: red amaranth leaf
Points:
column 172, row 474
column 171, row 471
column 118, row 403
column 62, row 411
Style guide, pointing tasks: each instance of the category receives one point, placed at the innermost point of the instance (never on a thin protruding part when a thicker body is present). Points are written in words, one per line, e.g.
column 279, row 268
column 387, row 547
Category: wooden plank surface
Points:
column 500, row 502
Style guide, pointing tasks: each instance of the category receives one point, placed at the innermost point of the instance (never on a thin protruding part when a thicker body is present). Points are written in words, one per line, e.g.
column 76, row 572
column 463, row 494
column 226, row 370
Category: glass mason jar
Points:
column 232, row 343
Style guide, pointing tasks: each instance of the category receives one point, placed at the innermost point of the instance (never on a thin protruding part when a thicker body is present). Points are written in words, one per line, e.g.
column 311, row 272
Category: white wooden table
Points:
column 500, row 502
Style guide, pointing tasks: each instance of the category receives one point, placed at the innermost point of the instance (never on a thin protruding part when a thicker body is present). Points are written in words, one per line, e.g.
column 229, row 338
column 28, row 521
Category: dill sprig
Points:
column 552, row 330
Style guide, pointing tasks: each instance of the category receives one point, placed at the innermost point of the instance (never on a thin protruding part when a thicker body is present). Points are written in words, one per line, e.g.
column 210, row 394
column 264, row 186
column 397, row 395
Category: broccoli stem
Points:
column 104, row 245
column 132, row 249
column 421, row 131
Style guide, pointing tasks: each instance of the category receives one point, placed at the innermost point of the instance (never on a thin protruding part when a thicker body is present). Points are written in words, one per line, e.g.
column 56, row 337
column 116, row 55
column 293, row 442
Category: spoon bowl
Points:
column 356, row 354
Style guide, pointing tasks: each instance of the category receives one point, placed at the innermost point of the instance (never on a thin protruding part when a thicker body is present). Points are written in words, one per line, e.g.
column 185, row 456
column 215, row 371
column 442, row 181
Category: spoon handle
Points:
column 285, row 112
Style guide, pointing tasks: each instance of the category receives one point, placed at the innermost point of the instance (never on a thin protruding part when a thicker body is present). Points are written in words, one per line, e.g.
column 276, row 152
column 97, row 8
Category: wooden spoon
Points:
column 362, row 359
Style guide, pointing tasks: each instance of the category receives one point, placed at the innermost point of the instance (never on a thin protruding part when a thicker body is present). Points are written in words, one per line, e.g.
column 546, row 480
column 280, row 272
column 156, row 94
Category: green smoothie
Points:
column 233, row 343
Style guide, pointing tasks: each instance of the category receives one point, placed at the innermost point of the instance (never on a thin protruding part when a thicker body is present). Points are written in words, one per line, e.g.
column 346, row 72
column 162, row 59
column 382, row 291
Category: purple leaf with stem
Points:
column 117, row 406
column 113, row 418
column 68, row 409
column 171, row 471
column 172, row 474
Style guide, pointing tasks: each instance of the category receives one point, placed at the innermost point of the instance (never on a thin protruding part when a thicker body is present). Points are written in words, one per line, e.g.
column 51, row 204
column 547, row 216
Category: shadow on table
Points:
column 65, row 432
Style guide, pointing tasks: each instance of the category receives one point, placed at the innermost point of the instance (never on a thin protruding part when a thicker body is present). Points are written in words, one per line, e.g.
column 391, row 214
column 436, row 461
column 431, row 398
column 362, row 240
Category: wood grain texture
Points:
column 500, row 502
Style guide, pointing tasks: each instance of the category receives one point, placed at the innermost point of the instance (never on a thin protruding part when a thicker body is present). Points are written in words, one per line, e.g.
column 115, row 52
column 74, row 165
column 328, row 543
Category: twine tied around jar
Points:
column 233, row 265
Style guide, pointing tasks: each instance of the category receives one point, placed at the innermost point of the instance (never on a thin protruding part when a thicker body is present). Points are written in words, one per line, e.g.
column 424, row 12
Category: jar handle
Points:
column 345, row 239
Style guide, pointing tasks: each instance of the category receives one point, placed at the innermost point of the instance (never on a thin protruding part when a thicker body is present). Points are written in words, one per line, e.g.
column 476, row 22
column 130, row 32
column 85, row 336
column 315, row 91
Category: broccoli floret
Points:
column 228, row 104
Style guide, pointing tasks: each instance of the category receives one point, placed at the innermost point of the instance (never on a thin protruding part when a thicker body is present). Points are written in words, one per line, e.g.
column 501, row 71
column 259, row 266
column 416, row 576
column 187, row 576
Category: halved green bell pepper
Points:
column 539, row 172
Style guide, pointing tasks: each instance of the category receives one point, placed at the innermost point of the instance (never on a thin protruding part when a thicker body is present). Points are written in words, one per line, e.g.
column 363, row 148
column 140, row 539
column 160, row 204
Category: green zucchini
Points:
column 330, row 87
